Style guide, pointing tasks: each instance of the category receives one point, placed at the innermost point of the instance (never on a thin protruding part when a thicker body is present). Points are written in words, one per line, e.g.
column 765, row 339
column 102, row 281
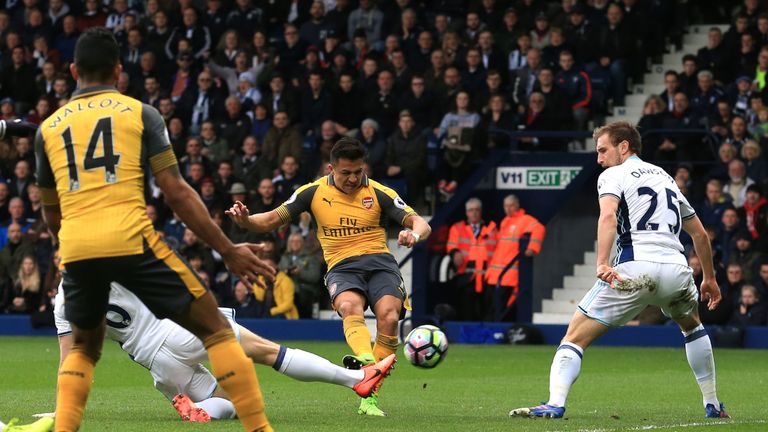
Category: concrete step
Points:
column 558, row 306
column 590, row 258
column 704, row 28
column 636, row 99
column 674, row 58
column 551, row 318
column 699, row 39
column 628, row 111
column 584, row 270
column 578, row 282
column 611, row 119
column 648, row 89
column 560, row 294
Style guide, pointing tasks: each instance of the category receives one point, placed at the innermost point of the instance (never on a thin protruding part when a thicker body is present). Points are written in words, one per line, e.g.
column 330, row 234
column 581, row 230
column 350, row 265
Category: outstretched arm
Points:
column 259, row 222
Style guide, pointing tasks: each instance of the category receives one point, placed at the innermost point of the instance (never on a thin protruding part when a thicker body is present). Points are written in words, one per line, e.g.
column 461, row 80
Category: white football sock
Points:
column 218, row 408
column 565, row 369
column 698, row 349
column 2, row 425
column 305, row 366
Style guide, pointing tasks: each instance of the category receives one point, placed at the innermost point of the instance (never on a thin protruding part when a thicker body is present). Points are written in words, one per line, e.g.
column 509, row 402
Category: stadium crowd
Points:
column 255, row 93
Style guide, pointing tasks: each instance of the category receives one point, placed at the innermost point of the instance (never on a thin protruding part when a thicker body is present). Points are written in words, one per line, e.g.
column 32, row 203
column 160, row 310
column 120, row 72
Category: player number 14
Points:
column 102, row 133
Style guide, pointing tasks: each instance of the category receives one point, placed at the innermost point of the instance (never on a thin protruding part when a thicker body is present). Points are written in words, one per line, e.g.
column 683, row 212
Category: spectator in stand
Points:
column 582, row 36
column 265, row 199
column 381, row 106
column 746, row 256
column 420, row 102
column 224, row 178
column 276, row 298
column 716, row 57
column 762, row 68
column 524, row 79
column 507, row 34
column 491, row 56
column 305, row 269
column 515, row 225
column 493, row 87
column 282, row 139
column 761, row 280
column 288, row 179
column 688, row 78
column 235, row 125
column 471, row 244
column 737, row 132
column 248, row 167
column 193, row 155
column 732, row 37
column 346, row 95
column 730, row 227
column 201, row 102
column 757, row 167
column 18, row 81
column 291, row 51
column 377, row 148
column 679, row 147
column 577, row 86
column 316, row 103
column 737, row 183
column 215, row 148
column 745, row 61
column 198, row 35
column 722, row 313
column 406, row 157
column 26, row 288
column 209, row 195
column 653, row 117
column 518, row 58
column 368, row 18
column 192, row 246
column 754, row 212
column 16, row 248
column 721, row 122
column 474, row 74
column 706, row 95
column 93, row 16
column 750, row 311
column 260, row 121
column 245, row 304
column 616, row 51
column 498, row 116
column 710, row 211
column 281, row 98
column 434, row 76
column 671, row 86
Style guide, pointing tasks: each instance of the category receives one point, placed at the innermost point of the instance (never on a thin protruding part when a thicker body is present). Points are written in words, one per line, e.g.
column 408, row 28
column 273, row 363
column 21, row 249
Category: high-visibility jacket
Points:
column 477, row 252
column 512, row 229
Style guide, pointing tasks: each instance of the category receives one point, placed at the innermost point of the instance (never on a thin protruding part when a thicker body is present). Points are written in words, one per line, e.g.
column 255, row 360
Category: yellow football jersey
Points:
column 92, row 152
column 348, row 224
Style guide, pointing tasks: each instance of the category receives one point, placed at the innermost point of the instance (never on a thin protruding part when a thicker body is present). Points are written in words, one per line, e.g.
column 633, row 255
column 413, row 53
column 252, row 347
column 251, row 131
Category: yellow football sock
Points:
column 385, row 345
column 74, row 384
column 357, row 335
column 235, row 374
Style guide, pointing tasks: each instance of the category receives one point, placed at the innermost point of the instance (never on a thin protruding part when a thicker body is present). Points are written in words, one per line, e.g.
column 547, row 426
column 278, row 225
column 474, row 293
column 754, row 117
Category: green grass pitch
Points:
column 619, row 389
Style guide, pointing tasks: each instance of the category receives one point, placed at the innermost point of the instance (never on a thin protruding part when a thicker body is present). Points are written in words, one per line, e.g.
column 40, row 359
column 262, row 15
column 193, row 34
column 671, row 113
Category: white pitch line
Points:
column 672, row 426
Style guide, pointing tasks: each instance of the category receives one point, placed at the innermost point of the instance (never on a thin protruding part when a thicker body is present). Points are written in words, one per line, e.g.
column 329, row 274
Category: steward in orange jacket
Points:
column 471, row 244
column 513, row 227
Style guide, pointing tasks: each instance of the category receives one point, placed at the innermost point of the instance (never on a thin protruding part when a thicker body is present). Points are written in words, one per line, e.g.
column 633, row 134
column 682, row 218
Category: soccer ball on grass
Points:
column 426, row 346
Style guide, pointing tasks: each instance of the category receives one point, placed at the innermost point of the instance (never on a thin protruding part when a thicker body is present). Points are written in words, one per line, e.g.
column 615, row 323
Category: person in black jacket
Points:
column 750, row 311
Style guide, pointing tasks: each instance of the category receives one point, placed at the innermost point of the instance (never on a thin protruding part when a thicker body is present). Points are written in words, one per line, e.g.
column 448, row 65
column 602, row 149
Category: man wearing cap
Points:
column 580, row 35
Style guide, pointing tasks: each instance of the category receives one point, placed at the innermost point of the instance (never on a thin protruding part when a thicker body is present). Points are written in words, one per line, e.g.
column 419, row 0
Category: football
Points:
column 426, row 346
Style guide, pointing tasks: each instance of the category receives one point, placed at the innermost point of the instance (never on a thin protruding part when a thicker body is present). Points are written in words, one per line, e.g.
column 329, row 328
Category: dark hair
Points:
column 621, row 131
column 689, row 57
column 96, row 55
column 348, row 148
column 670, row 72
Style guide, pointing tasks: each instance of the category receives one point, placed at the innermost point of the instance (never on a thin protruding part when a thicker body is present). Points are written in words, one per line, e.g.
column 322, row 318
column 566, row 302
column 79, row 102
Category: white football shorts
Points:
column 177, row 366
column 669, row 286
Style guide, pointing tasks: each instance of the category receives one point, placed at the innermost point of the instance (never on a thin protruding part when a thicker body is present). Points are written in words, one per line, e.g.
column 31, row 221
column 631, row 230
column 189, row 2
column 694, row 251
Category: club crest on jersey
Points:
column 367, row 203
